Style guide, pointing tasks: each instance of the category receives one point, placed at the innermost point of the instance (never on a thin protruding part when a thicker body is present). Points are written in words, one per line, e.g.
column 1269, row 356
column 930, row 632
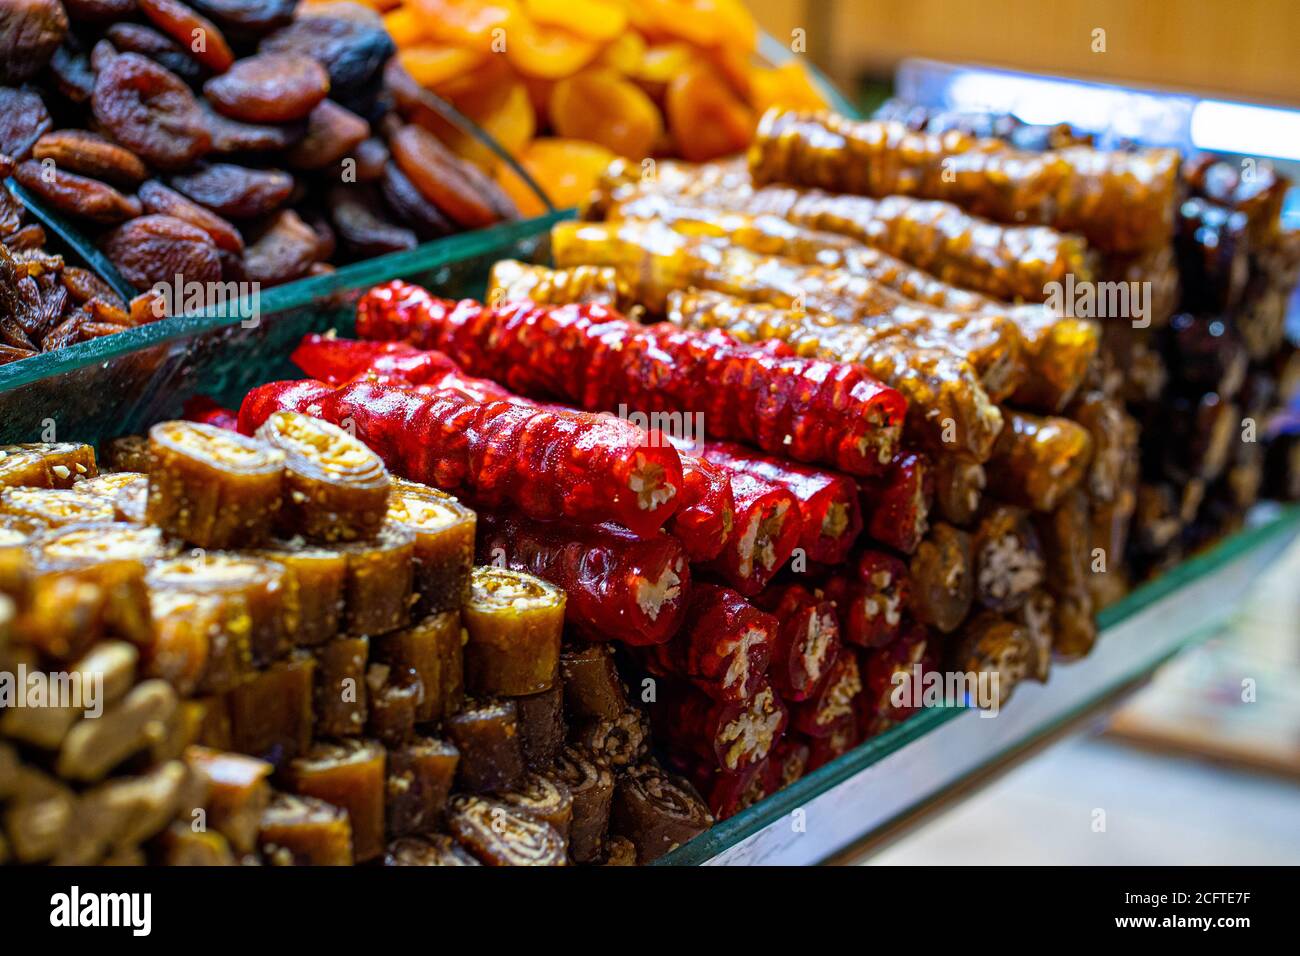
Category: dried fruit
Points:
column 706, row 118
column 351, row 50
column 84, row 285
column 244, row 18
column 148, row 42
column 70, row 67
column 269, row 88
column 148, row 109
column 232, row 136
column 410, row 205
column 352, row 210
column 30, row 32
column 567, row 169
column 332, row 133
column 601, row 107
column 76, row 195
column 444, row 179
column 159, row 199
column 284, row 252
column 235, row 191
column 548, row 52
column 432, row 65
column 23, row 120
column 153, row 249
column 92, row 155
column 196, row 33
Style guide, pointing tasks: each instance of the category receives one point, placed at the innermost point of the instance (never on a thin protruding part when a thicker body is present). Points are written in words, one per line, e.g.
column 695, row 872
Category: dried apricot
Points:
column 269, row 88
column 154, row 249
column 30, row 32
column 548, row 52
column 76, row 195
column 369, row 159
column 433, row 65
column 90, row 154
column 243, row 19
column 510, row 120
column 23, row 120
column 592, row 19
column 149, row 110
column 363, row 231
column 600, row 106
column 447, row 181
column 410, row 205
column 70, row 67
column 405, row 25
column 148, row 42
column 191, row 30
column 661, row 62
column 788, row 86
column 352, row 51
column 284, row 252
column 31, row 236
column 84, row 285
column 624, row 54
column 566, row 169
column 235, row 191
column 163, row 201
column 99, row 11
column 232, row 136
column 332, row 133
column 706, row 119
column 471, row 23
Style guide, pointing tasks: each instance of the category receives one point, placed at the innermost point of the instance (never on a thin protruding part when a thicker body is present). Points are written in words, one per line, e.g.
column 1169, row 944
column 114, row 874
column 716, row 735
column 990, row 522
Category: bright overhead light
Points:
column 1252, row 130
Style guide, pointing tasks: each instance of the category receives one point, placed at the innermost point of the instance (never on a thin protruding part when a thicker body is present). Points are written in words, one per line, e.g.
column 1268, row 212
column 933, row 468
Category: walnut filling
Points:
column 513, row 836
column 647, row 482
column 882, row 438
column 745, row 546
column 420, row 511
column 499, row 587
column 816, row 640
column 836, row 520
column 1007, row 569
column 886, row 601
column 753, row 732
column 217, row 444
column 738, row 650
column 652, row 595
column 769, row 532
column 838, row 701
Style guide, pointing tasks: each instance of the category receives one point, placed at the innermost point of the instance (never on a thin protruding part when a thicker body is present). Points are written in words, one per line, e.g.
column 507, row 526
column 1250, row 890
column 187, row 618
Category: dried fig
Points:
column 148, row 109
column 269, row 88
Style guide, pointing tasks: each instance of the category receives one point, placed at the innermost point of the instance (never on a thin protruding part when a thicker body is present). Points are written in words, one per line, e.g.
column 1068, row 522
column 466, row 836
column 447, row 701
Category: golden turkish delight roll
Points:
column 1038, row 459
column 444, row 544
column 511, row 279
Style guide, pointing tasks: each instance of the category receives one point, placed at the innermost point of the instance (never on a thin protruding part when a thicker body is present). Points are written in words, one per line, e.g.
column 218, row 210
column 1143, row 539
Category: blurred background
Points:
column 1186, row 771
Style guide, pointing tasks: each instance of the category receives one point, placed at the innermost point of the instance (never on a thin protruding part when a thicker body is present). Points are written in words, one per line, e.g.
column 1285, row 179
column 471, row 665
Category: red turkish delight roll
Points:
column 728, row 793
column 724, row 647
column 264, row 401
column 833, row 702
column 807, row 409
column 734, row 736
column 842, row 738
column 828, row 502
column 787, row 763
column 620, row 586
column 706, row 517
column 896, row 506
column 205, row 411
column 893, row 680
column 807, row 640
column 870, row 604
column 767, row 527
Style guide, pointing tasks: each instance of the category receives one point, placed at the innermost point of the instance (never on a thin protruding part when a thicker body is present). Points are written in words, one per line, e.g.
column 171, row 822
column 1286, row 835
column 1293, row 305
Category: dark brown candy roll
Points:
column 128, row 453
column 253, row 585
column 592, row 687
column 1065, row 538
column 942, row 579
column 340, row 696
column 428, row 647
column 1038, row 459
column 420, row 777
column 349, row 774
column 958, row 488
column 514, row 621
column 591, row 784
column 1037, row 616
column 305, row 831
column 212, row 487
column 377, row 588
column 620, row 741
column 1007, row 558
column 395, row 694
column 657, row 811
column 541, row 727
column 487, row 735
column 313, row 590
column 238, row 793
column 434, row 849
column 501, row 835
column 619, row 851
column 270, row 712
column 444, row 544
column 335, row 488
column 997, row 647
column 544, row 799
column 1074, row 626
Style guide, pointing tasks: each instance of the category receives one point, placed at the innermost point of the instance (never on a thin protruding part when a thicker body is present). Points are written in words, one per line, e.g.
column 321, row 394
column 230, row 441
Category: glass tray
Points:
column 873, row 791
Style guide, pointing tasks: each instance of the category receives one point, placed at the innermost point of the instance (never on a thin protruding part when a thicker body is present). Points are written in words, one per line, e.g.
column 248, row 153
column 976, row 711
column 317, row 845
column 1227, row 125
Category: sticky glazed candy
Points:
column 444, row 532
column 590, row 355
column 734, row 736
column 942, row 578
column 59, row 464
column 591, row 785
column 807, row 640
column 434, row 849
column 657, row 811
column 349, row 774
column 592, row 685
column 378, row 584
column 54, row 508
column 211, row 487
column 499, row 834
column 487, row 735
column 872, row 601
column 833, row 702
column 992, row 645
column 543, row 799
column 1038, row 459
column 619, row 586
column 724, row 647
column 420, row 778
column 515, row 622
column 304, row 831
column 431, row 650
column 313, row 589
column 767, row 528
column 511, row 280
column 706, row 516
column 335, row 488
column 1006, row 558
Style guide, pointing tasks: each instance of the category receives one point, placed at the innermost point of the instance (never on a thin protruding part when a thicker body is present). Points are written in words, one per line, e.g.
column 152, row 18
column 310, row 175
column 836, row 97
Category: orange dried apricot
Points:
column 600, row 106
column 510, row 119
column 788, row 86
column 597, row 20
column 405, row 25
column 471, row 23
column 548, row 52
column 566, row 170
column 706, row 118
column 433, row 65
column 624, row 54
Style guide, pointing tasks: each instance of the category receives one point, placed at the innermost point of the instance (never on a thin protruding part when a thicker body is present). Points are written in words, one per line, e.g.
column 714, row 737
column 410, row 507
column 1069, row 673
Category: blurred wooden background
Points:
column 1247, row 49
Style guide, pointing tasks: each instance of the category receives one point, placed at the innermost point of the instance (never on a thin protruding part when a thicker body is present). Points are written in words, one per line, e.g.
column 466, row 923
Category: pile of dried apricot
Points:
column 224, row 140
column 567, row 85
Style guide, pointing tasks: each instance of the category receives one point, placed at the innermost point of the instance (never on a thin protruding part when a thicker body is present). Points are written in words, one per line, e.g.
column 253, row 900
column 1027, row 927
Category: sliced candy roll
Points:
column 515, row 622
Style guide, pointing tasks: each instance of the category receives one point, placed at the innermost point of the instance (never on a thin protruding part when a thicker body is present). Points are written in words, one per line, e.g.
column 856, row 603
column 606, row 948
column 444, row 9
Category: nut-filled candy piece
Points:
column 515, row 622
column 657, row 811
column 501, row 835
column 487, row 736
column 304, row 831
column 444, row 544
column 349, row 774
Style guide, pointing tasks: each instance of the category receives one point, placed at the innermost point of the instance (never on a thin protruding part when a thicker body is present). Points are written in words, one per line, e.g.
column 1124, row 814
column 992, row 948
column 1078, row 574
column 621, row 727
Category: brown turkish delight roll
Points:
column 420, row 777
column 20, row 468
column 434, row 849
column 620, row 741
column 958, row 488
column 541, row 727
column 252, row 586
column 942, row 581
column 335, row 488
column 238, row 793
column 544, row 799
column 514, row 621
column 395, row 694
column 501, row 835
column 1038, row 459
column 57, row 464
column 1064, row 536
column 444, row 544
column 128, row 453
column 1036, row 616
column 592, row 687
column 212, row 487
column 657, row 811
column 994, row 646
column 340, row 696
column 54, row 508
column 349, row 774
column 271, row 713
column 378, row 585
column 194, row 648
column 1006, row 557
column 487, row 735
column 127, row 490
column 425, row 647
column 304, row 831
column 1075, row 627
column 313, row 585
column 591, row 784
